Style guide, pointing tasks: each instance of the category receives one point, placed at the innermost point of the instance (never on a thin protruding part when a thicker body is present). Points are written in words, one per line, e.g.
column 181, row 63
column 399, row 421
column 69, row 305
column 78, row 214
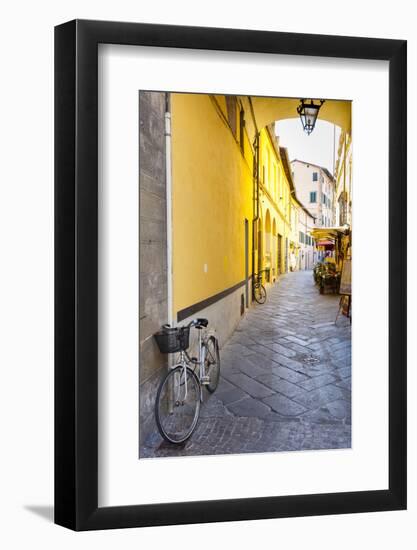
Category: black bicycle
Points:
column 180, row 394
column 259, row 291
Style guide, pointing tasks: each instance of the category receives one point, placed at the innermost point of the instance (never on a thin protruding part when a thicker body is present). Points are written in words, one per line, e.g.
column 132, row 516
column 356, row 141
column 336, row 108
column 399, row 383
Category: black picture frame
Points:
column 76, row 272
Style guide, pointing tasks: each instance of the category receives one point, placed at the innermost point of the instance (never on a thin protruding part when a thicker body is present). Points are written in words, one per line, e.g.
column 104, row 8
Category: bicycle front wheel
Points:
column 260, row 294
column 177, row 405
column 212, row 363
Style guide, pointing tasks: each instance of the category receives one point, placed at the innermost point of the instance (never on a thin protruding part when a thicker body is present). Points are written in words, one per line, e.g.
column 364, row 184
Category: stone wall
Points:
column 152, row 254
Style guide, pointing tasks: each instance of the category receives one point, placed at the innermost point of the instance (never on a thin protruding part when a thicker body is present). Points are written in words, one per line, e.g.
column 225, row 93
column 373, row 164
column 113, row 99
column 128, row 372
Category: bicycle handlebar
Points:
column 198, row 322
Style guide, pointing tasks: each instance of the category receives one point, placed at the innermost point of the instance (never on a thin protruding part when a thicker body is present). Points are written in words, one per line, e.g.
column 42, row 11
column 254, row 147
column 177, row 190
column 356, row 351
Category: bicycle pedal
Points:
column 205, row 379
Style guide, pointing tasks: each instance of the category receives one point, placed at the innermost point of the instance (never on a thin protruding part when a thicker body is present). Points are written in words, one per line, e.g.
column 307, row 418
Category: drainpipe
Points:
column 255, row 192
column 255, row 205
column 168, row 179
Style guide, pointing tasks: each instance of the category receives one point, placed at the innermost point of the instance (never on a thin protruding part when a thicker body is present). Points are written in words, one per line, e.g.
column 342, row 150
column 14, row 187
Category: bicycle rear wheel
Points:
column 212, row 363
column 177, row 405
column 260, row 293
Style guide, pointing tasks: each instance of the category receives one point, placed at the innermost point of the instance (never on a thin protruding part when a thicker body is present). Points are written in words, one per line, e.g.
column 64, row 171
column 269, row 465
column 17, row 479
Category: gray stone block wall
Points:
column 152, row 254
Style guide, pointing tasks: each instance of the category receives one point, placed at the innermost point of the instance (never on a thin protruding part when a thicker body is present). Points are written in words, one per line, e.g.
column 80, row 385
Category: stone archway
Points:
column 267, row 110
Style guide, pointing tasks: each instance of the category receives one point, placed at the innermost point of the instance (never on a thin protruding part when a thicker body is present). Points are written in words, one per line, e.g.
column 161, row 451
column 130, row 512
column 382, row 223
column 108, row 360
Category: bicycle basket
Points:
column 172, row 340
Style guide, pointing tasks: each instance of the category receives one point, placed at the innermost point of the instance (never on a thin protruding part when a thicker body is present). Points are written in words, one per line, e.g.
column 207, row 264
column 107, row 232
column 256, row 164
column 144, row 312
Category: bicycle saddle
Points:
column 200, row 323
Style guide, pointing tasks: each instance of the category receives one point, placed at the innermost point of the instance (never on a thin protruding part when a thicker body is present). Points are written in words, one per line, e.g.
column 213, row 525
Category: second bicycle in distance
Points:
column 259, row 291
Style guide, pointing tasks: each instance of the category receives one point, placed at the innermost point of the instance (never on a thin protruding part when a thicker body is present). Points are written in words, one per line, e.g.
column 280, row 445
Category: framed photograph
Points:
column 230, row 254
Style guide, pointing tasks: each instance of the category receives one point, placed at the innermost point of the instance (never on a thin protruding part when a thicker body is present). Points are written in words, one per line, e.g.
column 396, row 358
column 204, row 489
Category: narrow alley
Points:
column 285, row 379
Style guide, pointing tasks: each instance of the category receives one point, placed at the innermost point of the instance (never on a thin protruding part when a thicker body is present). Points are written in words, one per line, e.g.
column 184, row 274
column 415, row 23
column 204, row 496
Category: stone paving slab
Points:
column 298, row 340
column 344, row 372
column 318, row 381
column 273, row 381
column 230, row 396
column 319, row 396
column 280, row 385
column 321, row 416
column 263, row 350
column 251, row 366
column 239, row 350
column 346, row 383
column 249, row 407
column 289, row 374
column 297, row 365
column 249, row 385
column 283, row 405
column 224, row 385
column 281, row 350
column 339, row 409
column 297, row 348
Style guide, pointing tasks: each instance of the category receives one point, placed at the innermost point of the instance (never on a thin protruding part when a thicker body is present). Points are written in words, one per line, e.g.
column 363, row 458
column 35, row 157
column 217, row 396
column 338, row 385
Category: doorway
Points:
column 279, row 255
column 286, row 255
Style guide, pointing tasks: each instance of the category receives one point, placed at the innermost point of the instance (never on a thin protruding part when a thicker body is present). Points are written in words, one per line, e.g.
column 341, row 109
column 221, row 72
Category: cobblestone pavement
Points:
column 285, row 379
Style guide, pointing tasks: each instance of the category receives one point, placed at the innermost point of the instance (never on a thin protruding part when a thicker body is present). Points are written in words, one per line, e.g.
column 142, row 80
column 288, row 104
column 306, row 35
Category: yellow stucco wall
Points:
column 211, row 197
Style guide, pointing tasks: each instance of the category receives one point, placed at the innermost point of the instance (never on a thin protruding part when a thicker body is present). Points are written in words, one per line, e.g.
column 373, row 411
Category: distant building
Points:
column 307, row 255
column 343, row 187
column 315, row 188
column 301, row 246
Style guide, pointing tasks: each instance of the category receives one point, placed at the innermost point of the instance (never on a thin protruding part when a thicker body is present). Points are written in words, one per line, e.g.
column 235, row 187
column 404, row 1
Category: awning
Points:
column 329, row 232
column 323, row 242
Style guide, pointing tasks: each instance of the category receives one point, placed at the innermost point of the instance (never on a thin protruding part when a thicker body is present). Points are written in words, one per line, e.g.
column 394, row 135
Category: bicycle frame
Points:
column 185, row 360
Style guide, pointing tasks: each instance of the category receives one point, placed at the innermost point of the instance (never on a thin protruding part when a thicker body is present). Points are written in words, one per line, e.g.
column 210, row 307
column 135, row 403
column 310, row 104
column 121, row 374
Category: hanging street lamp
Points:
column 308, row 114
